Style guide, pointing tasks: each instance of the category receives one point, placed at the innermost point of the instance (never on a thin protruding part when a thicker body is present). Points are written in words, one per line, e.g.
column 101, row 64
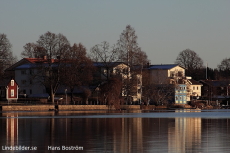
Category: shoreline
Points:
column 64, row 107
column 55, row 107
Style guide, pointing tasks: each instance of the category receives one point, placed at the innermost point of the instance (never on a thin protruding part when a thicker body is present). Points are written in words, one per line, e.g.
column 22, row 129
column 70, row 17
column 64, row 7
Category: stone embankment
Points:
column 64, row 107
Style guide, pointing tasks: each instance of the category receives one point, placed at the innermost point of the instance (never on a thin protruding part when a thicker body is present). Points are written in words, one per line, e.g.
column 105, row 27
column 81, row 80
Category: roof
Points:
column 25, row 66
column 216, row 83
column 39, row 60
column 107, row 64
column 35, row 65
column 26, row 61
column 163, row 66
column 194, row 82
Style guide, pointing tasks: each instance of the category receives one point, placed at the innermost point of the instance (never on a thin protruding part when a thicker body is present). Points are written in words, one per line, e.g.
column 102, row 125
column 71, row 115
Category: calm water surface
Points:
column 177, row 131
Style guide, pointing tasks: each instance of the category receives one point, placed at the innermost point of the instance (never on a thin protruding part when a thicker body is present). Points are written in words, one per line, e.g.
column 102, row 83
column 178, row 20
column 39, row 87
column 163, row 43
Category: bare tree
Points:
column 77, row 68
column 53, row 47
column 105, row 55
column 128, row 49
column 107, row 78
column 6, row 55
column 111, row 92
column 161, row 89
column 191, row 61
column 130, row 53
column 224, row 68
column 32, row 50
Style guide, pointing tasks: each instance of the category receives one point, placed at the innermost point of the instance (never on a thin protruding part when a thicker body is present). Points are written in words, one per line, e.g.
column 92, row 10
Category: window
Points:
column 24, row 91
column 12, row 83
column 23, row 71
column 138, row 91
column 12, row 92
column 31, row 72
column 172, row 74
column 180, row 73
column 197, row 88
column 23, row 81
column 176, row 98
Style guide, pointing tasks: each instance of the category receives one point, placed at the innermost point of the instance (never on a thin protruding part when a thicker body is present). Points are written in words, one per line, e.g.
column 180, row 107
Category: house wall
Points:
column 27, row 84
column 196, row 89
column 181, row 94
column 159, row 76
column 12, row 90
column 176, row 70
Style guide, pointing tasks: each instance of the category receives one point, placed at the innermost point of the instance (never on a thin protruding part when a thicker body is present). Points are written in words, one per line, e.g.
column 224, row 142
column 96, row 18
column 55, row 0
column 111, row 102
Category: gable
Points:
column 12, row 83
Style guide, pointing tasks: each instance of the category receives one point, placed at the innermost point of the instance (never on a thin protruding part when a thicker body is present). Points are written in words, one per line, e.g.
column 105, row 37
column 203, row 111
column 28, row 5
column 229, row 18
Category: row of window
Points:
column 24, row 72
column 195, row 88
column 24, row 91
column 180, row 99
column 174, row 74
column 24, row 82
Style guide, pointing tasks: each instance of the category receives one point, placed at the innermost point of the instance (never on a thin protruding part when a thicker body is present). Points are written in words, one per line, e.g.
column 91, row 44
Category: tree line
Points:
column 74, row 66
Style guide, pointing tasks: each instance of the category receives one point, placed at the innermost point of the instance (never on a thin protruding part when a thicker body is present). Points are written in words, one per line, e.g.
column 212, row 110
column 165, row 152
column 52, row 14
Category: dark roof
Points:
column 25, row 66
column 216, row 83
column 194, row 82
column 34, row 65
column 163, row 66
column 107, row 64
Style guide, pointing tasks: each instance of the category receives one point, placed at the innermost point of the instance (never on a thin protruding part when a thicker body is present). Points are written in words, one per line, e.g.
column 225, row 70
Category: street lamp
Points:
column 66, row 96
column 97, row 89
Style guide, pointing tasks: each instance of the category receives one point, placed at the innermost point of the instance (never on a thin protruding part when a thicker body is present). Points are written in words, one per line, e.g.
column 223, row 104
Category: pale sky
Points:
column 164, row 27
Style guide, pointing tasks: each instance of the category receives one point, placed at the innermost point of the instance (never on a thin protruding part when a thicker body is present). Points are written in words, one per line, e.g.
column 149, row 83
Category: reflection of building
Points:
column 131, row 129
column 185, row 135
column 11, row 129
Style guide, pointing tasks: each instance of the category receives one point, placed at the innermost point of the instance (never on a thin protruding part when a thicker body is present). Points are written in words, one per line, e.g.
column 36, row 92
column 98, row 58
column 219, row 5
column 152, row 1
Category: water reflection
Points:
column 138, row 134
column 11, row 129
column 185, row 134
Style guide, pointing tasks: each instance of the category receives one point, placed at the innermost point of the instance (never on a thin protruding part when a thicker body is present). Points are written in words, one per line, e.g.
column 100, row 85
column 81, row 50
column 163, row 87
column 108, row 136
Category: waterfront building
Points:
column 172, row 75
column 26, row 73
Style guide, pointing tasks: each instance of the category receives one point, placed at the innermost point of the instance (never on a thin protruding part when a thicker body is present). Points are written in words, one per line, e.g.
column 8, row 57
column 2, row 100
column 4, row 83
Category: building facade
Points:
column 174, row 76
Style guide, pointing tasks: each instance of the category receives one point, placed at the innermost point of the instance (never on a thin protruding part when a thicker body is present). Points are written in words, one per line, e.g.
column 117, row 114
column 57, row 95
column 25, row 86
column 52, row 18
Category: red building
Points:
column 12, row 91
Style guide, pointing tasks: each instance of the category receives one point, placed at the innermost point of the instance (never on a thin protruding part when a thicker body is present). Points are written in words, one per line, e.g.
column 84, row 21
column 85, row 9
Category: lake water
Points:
column 176, row 131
